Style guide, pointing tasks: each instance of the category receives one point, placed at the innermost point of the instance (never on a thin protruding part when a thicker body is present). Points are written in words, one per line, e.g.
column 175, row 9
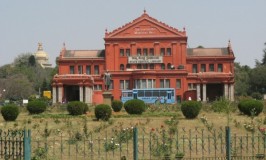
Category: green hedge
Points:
column 103, row 112
column 77, row 108
column 10, row 112
column 134, row 106
column 250, row 107
column 36, row 106
column 117, row 105
column 191, row 109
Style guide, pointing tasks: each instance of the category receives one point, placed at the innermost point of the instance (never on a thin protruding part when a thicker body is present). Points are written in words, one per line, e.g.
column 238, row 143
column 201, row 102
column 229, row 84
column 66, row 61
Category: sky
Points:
column 81, row 24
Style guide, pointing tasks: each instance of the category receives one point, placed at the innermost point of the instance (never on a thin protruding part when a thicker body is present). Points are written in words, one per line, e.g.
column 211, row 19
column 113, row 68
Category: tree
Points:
column 258, row 79
column 32, row 60
column 264, row 56
column 18, row 87
column 242, row 79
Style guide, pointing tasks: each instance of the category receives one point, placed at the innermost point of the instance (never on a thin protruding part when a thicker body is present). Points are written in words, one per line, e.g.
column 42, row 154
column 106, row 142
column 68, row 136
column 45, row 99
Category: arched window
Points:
column 169, row 66
column 122, row 67
column 163, row 66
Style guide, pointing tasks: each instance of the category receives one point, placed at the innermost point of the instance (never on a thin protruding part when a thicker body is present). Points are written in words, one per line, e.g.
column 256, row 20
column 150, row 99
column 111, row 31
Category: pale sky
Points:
column 81, row 24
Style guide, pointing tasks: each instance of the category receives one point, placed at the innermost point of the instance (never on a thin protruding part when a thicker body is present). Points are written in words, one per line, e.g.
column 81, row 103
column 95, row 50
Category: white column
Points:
column 204, row 92
column 198, row 92
column 87, row 95
column 232, row 92
column 91, row 94
column 226, row 91
column 81, row 93
column 60, row 94
column 54, row 95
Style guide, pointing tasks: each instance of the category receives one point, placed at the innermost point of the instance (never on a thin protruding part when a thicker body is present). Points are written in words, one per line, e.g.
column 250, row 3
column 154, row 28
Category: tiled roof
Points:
column 207, row 51
column 84, row 54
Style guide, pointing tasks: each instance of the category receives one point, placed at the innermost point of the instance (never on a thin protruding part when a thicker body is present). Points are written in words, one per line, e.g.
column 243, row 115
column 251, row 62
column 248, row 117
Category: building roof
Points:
column 145, row 25
column 208, row 52
column 84, row 54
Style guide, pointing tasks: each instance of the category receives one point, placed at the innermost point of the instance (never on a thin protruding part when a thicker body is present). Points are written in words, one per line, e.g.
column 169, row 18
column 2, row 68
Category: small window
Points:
column 80, row 69
column 211, row 67
column 128, row 66
column 138, row 66
column 163, row 66
column 128, row 52
column 178, row 83
column 151, row 52
column 195, row 68
column 88, row 69
column 164, row 83
column 145, row 52
column 151, row 66
column 122, row 67
column 169, row 66
column 220, row 67
column 96, row 70
column 139, row 52
column 162, row 51
column 169, row 51
column 97, row 87
column 145, row 66
column 71, row 69
column 122, row 52
column 122, row 84
column 203, row 68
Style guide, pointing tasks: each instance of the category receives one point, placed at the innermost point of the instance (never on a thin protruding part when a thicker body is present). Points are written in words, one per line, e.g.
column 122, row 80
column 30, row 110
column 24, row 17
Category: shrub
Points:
column 191, row 109
column 103, row 112
column 134, row 106
column 250, row 107
column 257, row 95
column 220, row 105
column 77, row 108
column 117, row 105
column 10, row 112
column 36, row 106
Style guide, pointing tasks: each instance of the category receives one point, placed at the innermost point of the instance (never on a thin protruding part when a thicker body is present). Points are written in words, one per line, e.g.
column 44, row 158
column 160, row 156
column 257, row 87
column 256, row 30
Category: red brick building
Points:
column 145, row 53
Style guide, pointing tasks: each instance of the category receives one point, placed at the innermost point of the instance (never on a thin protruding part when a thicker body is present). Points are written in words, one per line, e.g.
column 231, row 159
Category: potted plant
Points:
column 179, row 155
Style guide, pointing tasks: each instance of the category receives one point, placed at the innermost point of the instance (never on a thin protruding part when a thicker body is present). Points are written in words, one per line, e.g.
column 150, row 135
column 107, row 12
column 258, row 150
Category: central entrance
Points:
column 71, row 93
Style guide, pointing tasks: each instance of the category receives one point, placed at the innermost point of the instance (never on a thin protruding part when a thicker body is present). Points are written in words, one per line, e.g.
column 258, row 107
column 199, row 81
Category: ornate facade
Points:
column 145, row 53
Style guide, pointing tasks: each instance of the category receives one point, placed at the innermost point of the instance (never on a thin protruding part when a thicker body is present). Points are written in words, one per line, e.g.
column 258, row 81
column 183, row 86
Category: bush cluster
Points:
column 77, row 108
column 220, row 105
column 103, row 112
column 250, row 107
column 117, row 105
column 134, row 106
column 36, row 106
column 10, row 112
column 191, row 109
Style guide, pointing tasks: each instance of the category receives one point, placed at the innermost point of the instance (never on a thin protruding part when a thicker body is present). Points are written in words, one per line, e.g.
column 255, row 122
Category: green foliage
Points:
column 256, row 95
column 242, row 79
column 191, row 109
column 134, row 106
column 77, row 108
column 103, row 112
column 117, row 105
column 220, row 105
column 10, row 112
column 250, row 107
column 36, row 106
column 258, row 79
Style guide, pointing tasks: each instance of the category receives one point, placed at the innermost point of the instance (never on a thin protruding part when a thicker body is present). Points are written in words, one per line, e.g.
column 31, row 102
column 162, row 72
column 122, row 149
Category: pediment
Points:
column 145, row 26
